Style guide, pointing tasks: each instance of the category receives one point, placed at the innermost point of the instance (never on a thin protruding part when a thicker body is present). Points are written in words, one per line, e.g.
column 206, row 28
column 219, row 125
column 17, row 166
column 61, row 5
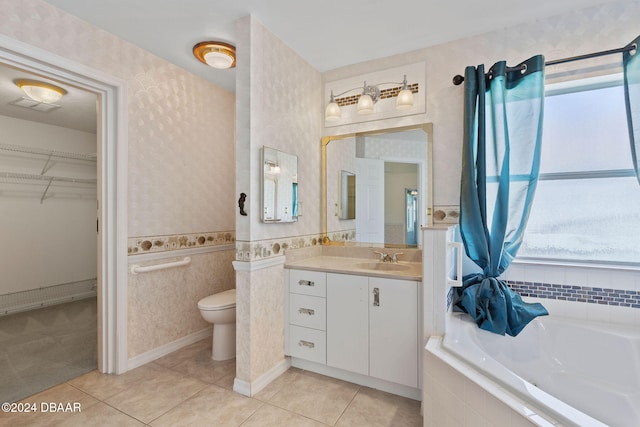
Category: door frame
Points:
column 112, row 158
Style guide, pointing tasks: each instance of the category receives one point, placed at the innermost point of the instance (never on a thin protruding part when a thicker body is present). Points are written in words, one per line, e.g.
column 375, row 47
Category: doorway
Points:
column 48, row 183
column 111, row 206
column 411, row 216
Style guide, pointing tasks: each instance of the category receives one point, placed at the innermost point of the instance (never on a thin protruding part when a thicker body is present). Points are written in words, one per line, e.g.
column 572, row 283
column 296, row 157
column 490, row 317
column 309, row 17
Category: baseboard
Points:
column 31, row 299
column 165, row 349
column 352, row 377
column 250, row 389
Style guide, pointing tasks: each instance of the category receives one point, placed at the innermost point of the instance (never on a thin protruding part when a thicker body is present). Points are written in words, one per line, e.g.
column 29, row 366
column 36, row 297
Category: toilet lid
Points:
column 218, row 301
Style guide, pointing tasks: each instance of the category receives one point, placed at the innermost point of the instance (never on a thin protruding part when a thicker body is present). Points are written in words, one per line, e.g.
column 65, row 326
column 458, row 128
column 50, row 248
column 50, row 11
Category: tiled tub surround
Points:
column 589, row 292
column 573, row 293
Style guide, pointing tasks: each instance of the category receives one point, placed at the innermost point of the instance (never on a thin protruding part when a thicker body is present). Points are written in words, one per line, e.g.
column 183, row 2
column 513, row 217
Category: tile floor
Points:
column 187, row 388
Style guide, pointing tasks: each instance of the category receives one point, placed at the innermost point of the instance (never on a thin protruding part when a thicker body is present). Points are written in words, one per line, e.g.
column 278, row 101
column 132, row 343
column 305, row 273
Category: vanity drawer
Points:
column 306, row 282
column 308, row 311
column 308, row 344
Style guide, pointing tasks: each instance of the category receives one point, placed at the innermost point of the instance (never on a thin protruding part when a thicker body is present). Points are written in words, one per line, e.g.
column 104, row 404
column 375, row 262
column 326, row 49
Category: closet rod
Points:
column 52, row 153
column 458, row 79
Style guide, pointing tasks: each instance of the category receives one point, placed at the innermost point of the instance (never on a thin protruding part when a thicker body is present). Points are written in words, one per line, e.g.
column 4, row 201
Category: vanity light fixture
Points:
column 41, row 91
column 369, row 96
column 215, row 54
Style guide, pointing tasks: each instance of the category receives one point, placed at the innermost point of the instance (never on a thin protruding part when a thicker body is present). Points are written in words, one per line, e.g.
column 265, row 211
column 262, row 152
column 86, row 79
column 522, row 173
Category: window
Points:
column 587, row 203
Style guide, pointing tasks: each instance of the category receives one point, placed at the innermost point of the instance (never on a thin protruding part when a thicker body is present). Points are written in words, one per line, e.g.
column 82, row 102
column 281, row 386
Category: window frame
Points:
column 562, row 88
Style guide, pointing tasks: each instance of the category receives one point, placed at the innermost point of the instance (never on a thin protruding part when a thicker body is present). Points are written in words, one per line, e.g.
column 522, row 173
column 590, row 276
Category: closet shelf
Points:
column 21, row 178
column 27, row 178
column 49, row 153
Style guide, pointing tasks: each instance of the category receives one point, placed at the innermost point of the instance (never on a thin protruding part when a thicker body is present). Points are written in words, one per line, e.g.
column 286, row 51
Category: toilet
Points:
column 220, row 309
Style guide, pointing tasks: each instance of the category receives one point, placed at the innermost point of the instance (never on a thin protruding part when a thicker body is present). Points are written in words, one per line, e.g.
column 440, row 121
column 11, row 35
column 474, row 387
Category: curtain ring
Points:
column 524, row 69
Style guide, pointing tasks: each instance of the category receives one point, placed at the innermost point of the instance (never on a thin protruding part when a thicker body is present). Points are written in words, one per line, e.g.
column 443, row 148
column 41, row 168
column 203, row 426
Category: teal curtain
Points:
column 631, row 64
column 500, row 161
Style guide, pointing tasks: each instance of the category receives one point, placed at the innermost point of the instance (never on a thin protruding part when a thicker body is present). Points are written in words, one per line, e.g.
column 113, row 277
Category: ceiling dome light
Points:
column 216, row 54
column 41, row 91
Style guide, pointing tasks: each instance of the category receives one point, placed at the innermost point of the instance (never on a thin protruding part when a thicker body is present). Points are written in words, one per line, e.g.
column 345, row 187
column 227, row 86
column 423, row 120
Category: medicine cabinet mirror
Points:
column 279, row 186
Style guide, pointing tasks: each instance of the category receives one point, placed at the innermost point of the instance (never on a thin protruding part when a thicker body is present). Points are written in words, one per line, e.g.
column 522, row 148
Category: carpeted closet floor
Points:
column 45, row 347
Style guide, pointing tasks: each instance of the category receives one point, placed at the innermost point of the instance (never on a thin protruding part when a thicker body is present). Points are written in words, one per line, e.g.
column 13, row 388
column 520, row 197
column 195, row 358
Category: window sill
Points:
column 596, row 265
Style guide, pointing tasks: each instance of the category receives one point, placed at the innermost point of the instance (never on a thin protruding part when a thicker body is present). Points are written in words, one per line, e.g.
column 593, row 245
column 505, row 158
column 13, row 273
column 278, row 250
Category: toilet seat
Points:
column 220, row 301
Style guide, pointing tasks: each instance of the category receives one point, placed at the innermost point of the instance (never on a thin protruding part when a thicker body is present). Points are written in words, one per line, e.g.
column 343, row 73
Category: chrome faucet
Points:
column 394, row 258
column 384, row 257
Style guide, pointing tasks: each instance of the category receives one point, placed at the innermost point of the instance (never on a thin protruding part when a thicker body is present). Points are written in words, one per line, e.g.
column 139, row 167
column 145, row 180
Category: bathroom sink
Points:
column 382, row 266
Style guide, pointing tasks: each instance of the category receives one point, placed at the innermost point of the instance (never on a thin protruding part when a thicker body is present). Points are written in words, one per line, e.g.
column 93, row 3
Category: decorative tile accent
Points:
column 591, row 295
column 446, row 214
column 148, row 244
column 261, row 249
column 384, row 94
column 385, row 107
column 342, row 236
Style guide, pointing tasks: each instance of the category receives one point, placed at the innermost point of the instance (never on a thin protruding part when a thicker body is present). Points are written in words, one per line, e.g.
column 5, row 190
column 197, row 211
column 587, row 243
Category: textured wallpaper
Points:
column 278, row 105
column 599, row 28
column 181, row 127
column 180, row 159
column 163, row 305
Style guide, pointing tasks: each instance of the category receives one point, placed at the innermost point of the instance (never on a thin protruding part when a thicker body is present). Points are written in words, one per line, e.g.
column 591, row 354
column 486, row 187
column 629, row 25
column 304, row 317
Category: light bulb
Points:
column 365, row 104
column 404, row 100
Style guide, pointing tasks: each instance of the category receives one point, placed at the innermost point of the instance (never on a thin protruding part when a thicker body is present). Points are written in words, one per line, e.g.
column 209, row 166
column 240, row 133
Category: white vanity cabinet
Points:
column 393, row 330
column 307, row 315
column 359, row 328
column 348, row 322
column 372, row 327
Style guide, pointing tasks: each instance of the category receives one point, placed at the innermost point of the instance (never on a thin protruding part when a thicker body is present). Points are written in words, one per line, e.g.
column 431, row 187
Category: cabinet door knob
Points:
column 306, row 283
column 303, row 343
column 376, row 297
column 308, row 311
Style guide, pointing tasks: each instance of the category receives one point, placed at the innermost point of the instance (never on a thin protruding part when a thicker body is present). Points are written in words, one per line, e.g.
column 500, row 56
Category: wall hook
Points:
column 241, row 200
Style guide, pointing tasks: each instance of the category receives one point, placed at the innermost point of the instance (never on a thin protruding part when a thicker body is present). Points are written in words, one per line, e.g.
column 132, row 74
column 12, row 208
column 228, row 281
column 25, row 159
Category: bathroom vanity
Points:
column 357, row 320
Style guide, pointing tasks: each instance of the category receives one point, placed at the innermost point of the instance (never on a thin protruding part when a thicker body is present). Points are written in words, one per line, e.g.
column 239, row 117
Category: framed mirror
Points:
column 392, row 174
column 279, row 186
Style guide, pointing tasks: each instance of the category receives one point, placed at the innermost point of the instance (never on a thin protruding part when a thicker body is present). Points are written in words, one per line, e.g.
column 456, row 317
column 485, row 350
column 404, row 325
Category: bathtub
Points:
column 574, row 372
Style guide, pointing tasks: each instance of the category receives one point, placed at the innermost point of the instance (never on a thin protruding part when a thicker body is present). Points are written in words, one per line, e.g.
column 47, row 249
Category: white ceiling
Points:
column 328, row 34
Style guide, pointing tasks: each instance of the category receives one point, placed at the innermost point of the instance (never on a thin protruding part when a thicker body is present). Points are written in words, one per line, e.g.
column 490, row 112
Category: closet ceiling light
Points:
column 40, row 91
column 216, row 54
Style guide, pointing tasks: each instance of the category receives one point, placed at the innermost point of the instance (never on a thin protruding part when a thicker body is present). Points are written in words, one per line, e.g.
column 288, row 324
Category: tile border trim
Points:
column 174, row 242
column 573, row 293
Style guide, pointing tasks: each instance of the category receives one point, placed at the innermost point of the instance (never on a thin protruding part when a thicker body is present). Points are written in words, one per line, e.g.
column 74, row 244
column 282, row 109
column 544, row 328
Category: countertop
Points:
column 348, row 265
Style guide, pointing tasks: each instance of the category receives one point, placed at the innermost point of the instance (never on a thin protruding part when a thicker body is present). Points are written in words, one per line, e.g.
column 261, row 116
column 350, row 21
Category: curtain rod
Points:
column 458, row 79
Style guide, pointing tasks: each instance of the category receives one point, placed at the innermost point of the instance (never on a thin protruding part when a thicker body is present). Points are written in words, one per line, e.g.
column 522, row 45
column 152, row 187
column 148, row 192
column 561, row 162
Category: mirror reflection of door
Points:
column 411, row 218
column 270, row 197
column 370, row 188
